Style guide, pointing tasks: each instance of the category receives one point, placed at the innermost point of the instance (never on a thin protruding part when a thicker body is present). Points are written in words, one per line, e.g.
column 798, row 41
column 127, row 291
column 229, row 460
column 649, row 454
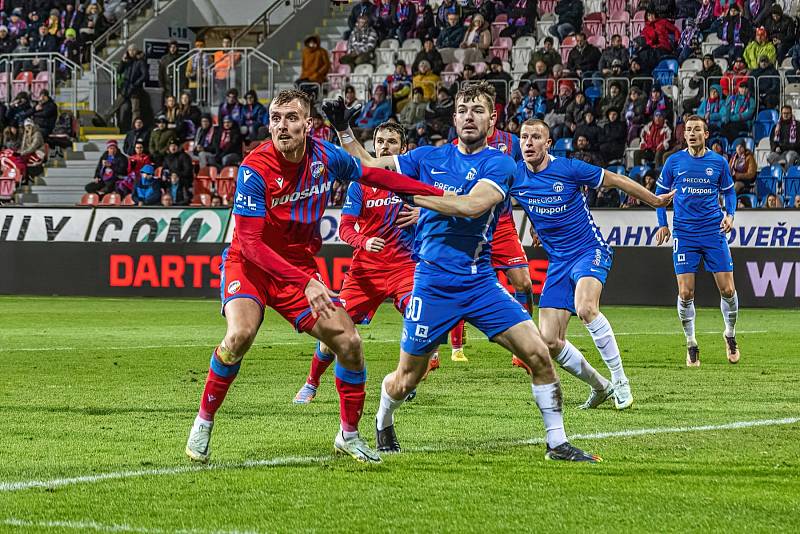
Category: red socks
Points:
column 457, row 336
column 351, row 386
column 319, row 364
column 219, row 380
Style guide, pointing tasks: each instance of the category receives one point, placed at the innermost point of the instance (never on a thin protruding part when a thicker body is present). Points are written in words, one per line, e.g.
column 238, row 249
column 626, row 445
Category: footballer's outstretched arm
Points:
column 634, row 189
column 480, row 199
column 340, row 116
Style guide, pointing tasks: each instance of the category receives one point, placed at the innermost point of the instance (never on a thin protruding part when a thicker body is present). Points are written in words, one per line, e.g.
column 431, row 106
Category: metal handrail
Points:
column 51, row 59
column 122, row 25
column 263, row 19
column 99, row 64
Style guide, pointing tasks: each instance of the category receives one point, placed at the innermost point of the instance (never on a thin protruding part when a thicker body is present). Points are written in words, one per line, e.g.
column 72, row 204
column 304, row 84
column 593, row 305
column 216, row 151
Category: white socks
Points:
column 385, row 416
column 548, row 399
column 686, row 314
column 571, row 359
column 606, row 343
column 730, row 311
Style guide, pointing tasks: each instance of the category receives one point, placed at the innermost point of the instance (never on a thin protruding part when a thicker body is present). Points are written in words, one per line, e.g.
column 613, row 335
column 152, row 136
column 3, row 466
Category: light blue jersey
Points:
column 557, row 207
column 697, row 183
column 457, row 244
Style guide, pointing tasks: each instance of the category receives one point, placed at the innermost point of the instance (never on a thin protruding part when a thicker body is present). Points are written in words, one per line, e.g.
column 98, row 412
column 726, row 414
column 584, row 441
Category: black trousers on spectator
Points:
column 101, row 187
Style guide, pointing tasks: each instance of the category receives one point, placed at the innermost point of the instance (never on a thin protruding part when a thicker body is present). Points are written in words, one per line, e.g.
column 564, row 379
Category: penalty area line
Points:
column 310, row 460
column 311, row 341
column 88, row 525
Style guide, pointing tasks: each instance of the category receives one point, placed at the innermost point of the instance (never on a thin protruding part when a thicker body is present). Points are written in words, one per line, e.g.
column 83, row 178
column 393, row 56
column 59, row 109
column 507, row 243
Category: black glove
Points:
column 407, row 199
column 338, row 114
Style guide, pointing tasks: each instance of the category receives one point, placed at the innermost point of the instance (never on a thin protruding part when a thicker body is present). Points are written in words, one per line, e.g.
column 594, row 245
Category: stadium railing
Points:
column 277, row 14
column 121, row 29
column 50, row 67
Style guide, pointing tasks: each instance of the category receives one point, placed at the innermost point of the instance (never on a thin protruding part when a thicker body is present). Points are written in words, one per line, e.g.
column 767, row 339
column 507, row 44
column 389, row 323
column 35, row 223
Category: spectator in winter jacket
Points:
column 539, row 75
column 735, row 32
column 614, row 99
column 575, row 112
column 474, row 47
column 227, row 144
column 686, row 9
column 365, row 8
column 398, row 85
column 633, row 113
column 659, row 101
column 768, row 83
column 734, row 77
column 711, row 73
column 784, row 140
column 255, row 116
column 159, row 139
column 584, row 58
column 500, row 80
column 570, row 18
column 178, row 192
column 533, row 106
column 705, row 16
column 147, row 191
column 547, row 54
column 113, row 166
column 204, row 149
column 375, row 112
column 780, row 30
column 589, row 129
column 612, row 141
column 45, row 113
column 177, row 162
column 712, row 108
column 405, row 19
column 134, row 74
column 660, row 34
column 655, row 140
column 136, row 161
column 739, row 111
column 320, row 130
column 361, row 44
column 231, row 107
column 138, row 133
column 615, row 51
column 414, row 111
column 165, row 74
column 426, row 80
column 582, row 151
column 743, row 168
column 316, row 62
column 439, row 114
column 450, row 38
column 44, row 42
column 429, row 54
column 760, row 47
column 721, row 7
column 757, row 11
column 662, row 8
column 7, row 43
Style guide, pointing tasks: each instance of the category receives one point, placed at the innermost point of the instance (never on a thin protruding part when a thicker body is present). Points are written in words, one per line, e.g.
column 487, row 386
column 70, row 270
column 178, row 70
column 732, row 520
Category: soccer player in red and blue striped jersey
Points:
column 379, row 227
column 282, row 189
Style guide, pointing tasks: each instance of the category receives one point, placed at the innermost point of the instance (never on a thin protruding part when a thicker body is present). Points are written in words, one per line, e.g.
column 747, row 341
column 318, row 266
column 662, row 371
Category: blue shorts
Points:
column 687, row 251
column 562, row 277
column 441, row 299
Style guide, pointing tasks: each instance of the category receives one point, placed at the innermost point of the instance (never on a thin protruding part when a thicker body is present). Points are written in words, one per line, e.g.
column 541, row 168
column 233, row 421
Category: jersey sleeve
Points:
column 251, row 195
column 352, row 203
column 725, row 178
column 499, row 172
column 665, row 178
column 585, row 173
column 342, row 166
column 410, row 162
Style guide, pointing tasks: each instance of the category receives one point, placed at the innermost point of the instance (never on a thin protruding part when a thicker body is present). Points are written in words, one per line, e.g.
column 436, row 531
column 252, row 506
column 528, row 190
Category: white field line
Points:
column 310, row 460
column 101, row 527
column 309, row 342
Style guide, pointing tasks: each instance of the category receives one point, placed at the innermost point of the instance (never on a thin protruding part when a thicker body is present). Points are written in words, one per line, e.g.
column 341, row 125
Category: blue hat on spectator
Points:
column 148, row 169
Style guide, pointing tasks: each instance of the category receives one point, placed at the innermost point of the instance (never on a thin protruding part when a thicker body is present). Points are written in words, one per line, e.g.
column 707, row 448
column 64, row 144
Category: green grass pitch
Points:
column 97, row 397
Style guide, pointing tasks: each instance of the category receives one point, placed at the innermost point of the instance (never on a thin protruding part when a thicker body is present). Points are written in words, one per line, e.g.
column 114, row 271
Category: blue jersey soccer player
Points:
column 550, row 191
column 698, row 176
column 454, row 278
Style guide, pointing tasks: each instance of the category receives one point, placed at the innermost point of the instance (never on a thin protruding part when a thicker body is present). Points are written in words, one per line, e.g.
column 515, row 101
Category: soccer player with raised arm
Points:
column 454, row 278
column 380, row 228
column 282, row 189
column 698, row 176
column 550, row 191
column 507, row 252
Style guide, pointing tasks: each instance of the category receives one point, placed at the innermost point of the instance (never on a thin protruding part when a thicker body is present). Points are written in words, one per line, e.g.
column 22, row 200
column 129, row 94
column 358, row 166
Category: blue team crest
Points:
column 558, row 187
column 317, row 169
column 709, row 171
column 471, row 174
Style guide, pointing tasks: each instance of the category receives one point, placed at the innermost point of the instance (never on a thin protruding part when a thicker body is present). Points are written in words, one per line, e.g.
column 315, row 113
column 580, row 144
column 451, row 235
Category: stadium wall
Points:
column 177, row 253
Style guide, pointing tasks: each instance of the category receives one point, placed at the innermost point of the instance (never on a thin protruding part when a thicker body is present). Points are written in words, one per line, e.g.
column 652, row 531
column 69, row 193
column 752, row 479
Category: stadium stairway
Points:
column 330, row 31
column 64, row 180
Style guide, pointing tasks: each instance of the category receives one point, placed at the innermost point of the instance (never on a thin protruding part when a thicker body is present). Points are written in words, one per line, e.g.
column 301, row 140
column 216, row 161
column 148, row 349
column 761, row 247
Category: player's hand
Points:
column 727, row 223
column 339, row 114
column 319, row 299
column 535, row 241
column 374, row 244
column 662, row 236
column 408, row 216
column 663, row 200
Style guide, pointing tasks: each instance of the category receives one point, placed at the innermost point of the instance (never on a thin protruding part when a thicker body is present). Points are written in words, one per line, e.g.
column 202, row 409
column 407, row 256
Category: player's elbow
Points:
column 475, row 207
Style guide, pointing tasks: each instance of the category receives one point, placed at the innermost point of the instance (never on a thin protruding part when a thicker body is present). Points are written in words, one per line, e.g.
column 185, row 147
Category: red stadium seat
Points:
column 8, row 184
column 637, row 24
column 89, row 199
column 547, row 6
column 597, row 40
column 451, row 72
column 4, row 77
column 208, row 172
column 618, row 24
column 338, row 78
column 128, row 201
column 501, row 48
column 336, row 54
column 566, row 45
column 226, row 188
column 616, row 6
column 480, row 67
column 202, row 185
column 228, row 173
column 500, row 22
column 21, row 83
column 111, row 199
column 39, row 84
column 594, row 24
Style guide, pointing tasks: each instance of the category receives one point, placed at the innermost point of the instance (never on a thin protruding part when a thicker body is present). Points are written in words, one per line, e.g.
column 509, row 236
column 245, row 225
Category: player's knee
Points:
column 587, row 311
column 522, row 284
column 239, row 338
column 727, row 291
column 554, row 344
column 686, row 294
column 348, row 347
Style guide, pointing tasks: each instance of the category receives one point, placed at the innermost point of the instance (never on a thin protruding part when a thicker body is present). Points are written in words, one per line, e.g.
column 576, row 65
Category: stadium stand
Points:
column 650, row 57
